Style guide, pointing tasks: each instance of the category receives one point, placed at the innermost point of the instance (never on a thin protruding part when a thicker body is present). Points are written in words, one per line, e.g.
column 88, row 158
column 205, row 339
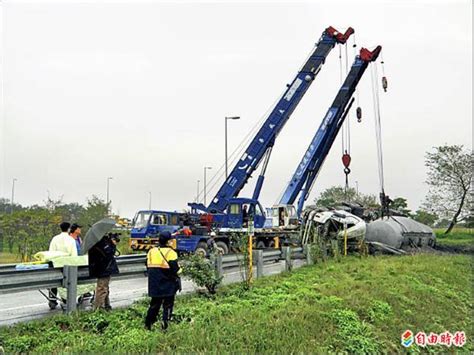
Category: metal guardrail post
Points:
column 70, row 282
column 309, row 257
column 219, row 265
column 258, row 256
column 287, row 257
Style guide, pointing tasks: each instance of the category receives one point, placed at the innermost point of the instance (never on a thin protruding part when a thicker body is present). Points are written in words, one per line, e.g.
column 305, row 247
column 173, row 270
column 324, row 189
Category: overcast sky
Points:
column 138, row 91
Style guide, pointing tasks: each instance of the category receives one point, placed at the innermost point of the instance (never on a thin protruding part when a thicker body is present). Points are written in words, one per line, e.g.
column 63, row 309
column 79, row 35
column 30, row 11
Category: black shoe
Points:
column 147, row 326
column 164, row 325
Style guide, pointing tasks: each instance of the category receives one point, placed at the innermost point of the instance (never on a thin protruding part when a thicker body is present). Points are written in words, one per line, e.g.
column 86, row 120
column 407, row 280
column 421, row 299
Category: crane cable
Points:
column 358, row 109
column 345, row 128
column 384, row 78
column 347, row 121
column 378, row 126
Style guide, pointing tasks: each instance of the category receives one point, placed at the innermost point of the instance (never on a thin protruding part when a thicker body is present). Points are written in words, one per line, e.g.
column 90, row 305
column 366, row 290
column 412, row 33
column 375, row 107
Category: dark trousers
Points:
column 53, row 293
column 154, row 309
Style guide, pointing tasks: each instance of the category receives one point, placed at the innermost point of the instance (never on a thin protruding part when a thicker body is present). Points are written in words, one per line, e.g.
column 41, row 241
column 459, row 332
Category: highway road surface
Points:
column 28, row 305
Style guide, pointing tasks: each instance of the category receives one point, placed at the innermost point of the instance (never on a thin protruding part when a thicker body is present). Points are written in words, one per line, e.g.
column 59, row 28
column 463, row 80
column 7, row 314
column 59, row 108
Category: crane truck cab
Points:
column 241, row 211
column 284, row 216
column 148, row 224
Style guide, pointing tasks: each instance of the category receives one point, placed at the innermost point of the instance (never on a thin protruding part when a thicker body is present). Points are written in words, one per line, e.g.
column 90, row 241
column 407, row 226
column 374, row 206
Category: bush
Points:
column 201, row 272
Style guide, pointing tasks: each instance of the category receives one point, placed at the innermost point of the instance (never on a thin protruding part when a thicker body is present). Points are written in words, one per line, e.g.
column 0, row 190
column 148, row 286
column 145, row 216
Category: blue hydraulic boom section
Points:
column 309, row 167
column 263, row 141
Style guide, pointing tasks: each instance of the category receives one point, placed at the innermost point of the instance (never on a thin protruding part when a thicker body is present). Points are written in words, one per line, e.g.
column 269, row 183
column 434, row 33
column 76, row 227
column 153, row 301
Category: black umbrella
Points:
column 96, row 233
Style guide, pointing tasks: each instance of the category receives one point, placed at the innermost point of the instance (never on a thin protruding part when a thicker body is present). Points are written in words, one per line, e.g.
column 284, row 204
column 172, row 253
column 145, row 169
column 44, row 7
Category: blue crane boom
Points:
column 310, row 165
column 263, row 141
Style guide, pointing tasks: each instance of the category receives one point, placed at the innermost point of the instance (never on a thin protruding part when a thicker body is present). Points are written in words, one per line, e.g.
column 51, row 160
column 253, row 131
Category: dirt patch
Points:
column 456, row 249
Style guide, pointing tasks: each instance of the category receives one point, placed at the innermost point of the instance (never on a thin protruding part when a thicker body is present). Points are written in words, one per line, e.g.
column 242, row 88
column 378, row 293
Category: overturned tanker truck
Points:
column 357, row 232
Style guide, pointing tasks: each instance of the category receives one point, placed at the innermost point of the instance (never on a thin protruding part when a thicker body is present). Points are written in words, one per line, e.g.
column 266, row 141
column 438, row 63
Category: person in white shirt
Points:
column 63, row 241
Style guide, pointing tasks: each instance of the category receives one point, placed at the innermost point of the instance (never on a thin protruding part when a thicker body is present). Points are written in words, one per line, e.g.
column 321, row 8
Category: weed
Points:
column 202, row 272
column 380, row 311
column 354, row 335
column 319, row 309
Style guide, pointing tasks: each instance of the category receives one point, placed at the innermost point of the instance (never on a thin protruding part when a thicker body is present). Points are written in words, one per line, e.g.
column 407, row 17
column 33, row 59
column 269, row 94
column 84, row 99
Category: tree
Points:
column 449, row 178
column 337, row 194
column 95, row 210
column 6, row 206
column 29, row 230
column 334, row 195
column 401, row 205
column 425, row 217
column 71, row 212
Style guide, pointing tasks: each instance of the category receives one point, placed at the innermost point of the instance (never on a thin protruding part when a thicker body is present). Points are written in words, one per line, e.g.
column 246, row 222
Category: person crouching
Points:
column 163, row 268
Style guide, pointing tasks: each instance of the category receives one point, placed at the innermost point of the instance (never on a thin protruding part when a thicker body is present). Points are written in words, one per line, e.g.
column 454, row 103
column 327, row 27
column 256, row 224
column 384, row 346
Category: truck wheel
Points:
column 201, row 249
column 261, row 245
column 222, row 247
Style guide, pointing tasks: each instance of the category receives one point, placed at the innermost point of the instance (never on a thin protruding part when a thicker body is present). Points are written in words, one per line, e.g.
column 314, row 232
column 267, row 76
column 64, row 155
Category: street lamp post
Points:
column 13, row 193
column 149, row 200
column 205, row 169
column 357, row 188
column 197, row 191
column 108, row 188
column 228, row 118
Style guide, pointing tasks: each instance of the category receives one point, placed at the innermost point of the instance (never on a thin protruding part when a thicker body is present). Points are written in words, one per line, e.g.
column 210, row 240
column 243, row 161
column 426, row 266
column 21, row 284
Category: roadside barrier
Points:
column 130, row 266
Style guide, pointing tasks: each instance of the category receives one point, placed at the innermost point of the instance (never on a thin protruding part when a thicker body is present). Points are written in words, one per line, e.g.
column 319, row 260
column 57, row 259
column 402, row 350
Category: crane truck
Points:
column 227, row 213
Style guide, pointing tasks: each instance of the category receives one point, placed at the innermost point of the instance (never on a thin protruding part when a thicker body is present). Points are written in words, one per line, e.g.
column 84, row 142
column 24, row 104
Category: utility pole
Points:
column 13, row 194
column 108, row 199
column 227, row 118
column 205, row 184
column 197, row 191
column 149, row 200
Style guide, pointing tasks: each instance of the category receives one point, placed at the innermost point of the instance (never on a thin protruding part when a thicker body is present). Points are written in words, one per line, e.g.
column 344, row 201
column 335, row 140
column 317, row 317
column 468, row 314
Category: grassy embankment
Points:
column 355, row 305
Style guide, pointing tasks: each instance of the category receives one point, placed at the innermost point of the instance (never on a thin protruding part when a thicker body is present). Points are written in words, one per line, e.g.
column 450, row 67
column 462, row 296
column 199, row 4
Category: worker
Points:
column 245, row 216
column 163, row 280
column 62, row 242
column 212, row 244
column 75, row 233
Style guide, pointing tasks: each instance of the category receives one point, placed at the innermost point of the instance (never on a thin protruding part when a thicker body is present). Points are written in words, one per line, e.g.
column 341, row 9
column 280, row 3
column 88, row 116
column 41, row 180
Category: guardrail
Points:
column 130, row 266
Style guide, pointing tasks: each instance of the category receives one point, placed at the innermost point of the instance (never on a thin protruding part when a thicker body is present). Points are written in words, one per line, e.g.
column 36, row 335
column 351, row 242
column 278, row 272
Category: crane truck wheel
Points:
column 222, row 247
column 201, row 249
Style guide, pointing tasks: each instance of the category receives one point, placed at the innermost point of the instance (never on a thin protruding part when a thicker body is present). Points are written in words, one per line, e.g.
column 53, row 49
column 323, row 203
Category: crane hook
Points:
column 346, row 161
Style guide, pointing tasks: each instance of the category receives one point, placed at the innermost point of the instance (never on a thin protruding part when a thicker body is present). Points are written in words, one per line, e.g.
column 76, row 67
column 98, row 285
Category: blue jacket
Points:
column 163, row 268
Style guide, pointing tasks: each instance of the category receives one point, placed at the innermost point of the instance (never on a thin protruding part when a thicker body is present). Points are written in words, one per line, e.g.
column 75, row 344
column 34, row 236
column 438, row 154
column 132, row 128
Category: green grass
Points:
column 358, row 305
column 8, row 258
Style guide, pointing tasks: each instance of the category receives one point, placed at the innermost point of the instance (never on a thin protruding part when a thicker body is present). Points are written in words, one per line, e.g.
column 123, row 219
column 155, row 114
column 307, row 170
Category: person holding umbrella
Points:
column 101, row 247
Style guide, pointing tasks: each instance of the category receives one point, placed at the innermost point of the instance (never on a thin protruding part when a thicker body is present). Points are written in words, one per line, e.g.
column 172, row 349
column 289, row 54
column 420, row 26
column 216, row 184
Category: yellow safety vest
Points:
column 159, row 257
